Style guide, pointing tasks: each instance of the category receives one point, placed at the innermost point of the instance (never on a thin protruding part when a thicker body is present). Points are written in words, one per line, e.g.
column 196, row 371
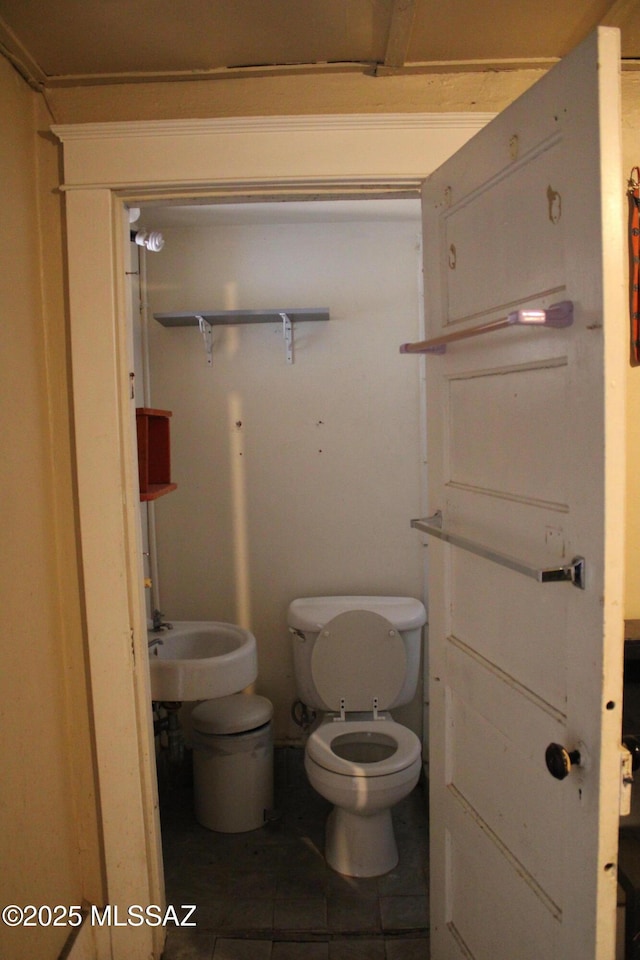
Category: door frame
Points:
column 108, row 167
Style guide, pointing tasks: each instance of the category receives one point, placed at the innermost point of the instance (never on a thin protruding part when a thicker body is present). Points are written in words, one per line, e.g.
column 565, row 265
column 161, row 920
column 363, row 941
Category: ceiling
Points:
column 74, row 42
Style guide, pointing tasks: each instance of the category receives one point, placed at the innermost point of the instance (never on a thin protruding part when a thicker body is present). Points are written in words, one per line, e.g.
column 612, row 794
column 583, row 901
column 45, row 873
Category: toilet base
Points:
column 358, row 846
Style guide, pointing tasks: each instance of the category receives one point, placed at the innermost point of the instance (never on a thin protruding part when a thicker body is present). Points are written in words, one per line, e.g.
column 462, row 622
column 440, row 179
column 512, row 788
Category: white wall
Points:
column 293, row 480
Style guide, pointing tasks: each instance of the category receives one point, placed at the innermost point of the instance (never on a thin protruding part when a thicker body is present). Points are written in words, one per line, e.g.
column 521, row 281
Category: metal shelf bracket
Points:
column 287, row 333
column 207, row 334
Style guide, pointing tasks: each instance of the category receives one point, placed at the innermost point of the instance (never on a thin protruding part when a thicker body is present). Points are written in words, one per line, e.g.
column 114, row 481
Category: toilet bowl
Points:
column 353, row 665
column 364, row 768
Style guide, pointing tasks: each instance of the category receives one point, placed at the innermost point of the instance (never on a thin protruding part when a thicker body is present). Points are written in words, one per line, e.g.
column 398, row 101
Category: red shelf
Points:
column 154, row 453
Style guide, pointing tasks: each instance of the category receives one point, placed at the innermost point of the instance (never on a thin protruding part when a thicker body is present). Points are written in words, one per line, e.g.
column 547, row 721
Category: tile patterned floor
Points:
column 269, row 895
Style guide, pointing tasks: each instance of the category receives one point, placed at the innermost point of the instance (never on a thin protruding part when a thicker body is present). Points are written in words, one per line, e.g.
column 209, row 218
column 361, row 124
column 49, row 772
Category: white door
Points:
column 526, row 457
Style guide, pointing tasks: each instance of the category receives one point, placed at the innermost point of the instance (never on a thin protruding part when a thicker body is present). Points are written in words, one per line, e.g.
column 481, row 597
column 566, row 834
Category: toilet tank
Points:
column 308, row 615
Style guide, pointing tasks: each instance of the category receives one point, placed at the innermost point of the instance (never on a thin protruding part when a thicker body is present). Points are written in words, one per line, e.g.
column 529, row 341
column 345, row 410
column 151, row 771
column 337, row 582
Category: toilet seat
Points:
column 320, row 747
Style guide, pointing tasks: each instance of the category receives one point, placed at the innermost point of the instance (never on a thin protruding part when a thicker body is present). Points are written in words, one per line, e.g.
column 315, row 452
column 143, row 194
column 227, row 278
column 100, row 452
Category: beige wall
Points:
column 280, row 96
column 293, row 480
column 48, row 836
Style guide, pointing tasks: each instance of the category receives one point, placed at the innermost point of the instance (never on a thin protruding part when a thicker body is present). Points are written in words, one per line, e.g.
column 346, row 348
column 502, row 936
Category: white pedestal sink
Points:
column 200, row 660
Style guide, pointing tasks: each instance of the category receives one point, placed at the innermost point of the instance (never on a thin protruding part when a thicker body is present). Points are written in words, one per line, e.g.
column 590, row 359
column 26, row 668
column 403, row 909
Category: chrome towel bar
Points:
column 557, row 316
column 573, row 572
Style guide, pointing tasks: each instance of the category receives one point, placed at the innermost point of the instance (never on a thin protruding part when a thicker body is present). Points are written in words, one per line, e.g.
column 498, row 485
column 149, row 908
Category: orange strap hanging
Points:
column 633, row 192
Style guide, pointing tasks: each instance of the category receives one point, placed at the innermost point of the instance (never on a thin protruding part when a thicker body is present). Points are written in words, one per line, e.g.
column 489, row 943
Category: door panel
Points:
column 487, row 247
column 483, row 746
column 483, row 598
column 514, row 402
column 477, row 863
column 526, row 456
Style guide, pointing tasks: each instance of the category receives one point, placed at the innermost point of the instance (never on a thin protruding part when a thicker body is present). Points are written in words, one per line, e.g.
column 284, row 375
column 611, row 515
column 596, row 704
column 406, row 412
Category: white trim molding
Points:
column 373, row 148
column 282, row 124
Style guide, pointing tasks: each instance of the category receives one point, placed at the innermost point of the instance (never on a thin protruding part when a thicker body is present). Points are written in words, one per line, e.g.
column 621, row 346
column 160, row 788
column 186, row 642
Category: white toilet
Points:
column 355, row 658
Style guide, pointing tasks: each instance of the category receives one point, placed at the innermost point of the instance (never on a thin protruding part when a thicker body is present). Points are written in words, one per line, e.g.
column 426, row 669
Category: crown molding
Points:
column 280, row 124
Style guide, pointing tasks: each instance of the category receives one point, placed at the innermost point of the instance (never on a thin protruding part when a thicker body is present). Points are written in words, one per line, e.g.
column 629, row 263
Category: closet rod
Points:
column 573, row 572
column 557, row 316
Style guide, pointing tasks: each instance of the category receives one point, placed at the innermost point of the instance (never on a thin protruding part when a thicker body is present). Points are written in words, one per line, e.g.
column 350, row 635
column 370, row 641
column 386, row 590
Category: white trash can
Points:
column 233, row 762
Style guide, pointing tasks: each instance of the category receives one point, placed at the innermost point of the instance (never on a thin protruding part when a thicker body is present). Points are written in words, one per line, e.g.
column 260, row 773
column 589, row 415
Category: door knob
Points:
column 559, row 760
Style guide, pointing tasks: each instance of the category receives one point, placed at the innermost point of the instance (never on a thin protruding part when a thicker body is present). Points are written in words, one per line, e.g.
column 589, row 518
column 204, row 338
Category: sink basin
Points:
column 200, row 660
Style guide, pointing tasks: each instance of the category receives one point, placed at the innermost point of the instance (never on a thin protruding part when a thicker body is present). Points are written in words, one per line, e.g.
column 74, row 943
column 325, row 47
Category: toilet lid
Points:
column 348, row 747
column 357, row 656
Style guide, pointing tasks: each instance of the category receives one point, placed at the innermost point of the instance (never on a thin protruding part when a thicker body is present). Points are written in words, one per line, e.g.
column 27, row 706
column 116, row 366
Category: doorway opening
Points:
column 274, row 465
